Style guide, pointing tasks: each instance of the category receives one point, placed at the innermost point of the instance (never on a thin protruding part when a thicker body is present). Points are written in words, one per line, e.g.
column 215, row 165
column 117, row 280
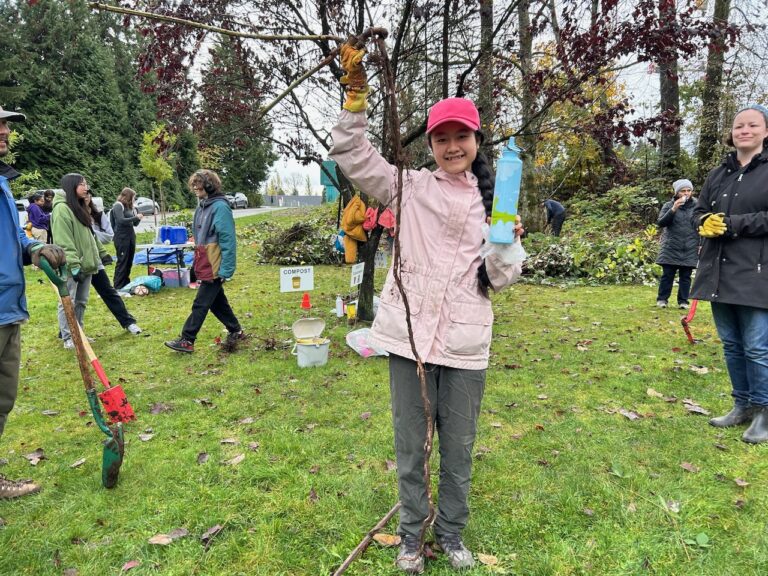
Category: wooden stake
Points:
column 367, row 540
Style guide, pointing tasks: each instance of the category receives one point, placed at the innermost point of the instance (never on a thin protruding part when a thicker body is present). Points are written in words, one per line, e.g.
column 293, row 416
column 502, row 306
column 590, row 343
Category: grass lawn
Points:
column 580, row 468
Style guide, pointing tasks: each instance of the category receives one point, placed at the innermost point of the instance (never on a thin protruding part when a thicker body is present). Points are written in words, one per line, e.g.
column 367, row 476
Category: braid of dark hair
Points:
column 481, row 168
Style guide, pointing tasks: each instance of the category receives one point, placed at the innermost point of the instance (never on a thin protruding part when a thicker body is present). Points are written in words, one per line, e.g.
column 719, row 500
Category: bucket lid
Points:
column 308, row 327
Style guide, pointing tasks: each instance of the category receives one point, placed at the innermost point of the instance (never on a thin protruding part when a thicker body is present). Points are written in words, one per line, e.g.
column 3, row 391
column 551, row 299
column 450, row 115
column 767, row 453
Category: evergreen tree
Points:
column 74, row 77
column 231, row 99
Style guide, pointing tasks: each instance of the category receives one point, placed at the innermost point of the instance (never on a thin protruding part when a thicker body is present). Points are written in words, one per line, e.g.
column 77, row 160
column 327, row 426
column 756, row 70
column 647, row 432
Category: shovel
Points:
column 114, row 445
column 113, row 399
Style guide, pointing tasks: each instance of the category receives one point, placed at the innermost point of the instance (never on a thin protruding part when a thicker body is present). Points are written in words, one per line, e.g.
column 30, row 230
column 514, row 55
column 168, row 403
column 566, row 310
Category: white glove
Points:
column 508, row 253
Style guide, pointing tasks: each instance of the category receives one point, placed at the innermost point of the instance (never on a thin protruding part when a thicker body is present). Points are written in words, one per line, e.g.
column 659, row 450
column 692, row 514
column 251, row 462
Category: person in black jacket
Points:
column 679, row 244
column 732, row 213
column 124, row 218
column 555, row 215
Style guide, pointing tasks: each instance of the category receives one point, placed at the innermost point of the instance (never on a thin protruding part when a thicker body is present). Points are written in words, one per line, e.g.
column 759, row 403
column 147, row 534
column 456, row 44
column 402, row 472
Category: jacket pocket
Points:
column 390, row 320
column 469, row 333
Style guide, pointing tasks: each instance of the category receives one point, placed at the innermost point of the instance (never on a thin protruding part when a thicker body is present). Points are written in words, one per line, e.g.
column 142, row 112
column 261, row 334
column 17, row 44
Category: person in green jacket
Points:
column 71, row 226
column 215, row 258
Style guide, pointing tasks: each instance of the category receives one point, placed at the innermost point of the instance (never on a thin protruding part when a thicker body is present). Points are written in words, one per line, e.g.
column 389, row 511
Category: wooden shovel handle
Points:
column 77, row 338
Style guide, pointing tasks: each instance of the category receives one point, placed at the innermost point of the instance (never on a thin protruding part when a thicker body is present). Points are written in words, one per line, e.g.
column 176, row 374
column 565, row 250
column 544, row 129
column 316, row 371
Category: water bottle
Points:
column 509, row 171
column 339, row 307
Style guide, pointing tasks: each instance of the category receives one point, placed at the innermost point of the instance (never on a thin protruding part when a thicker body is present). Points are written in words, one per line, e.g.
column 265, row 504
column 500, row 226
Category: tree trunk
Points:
column 485, row 72
column 530, row 199
column 669, row 156
column 710, row 99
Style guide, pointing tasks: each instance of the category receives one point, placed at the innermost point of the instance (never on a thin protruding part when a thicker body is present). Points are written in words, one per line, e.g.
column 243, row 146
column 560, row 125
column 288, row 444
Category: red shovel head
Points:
column 116, row 405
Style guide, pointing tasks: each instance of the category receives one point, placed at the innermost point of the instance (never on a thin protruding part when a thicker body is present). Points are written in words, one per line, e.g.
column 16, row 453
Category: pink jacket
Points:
column 440, row 239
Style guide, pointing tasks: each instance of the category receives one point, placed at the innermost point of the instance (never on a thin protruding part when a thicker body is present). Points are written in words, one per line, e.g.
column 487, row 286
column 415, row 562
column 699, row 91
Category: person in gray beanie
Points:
column 679, row 244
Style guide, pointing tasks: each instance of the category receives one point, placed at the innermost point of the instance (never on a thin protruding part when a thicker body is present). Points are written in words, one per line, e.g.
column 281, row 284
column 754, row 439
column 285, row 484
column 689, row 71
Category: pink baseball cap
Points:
column 453, row 110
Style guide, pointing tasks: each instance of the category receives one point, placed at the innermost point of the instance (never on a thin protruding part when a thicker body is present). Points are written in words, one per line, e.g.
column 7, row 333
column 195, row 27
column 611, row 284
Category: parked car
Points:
column 146, row 206
column 21, row 206
column 238, row 200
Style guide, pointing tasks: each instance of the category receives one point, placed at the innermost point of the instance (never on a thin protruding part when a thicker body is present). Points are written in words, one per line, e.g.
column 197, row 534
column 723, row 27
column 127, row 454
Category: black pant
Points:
column 125, row 245
column 210, row 296
column 110, row 297
column 557, row 224
column 668, row 278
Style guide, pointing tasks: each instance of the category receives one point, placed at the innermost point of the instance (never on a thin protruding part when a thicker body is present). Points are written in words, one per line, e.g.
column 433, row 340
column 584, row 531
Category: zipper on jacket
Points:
column 740, row 177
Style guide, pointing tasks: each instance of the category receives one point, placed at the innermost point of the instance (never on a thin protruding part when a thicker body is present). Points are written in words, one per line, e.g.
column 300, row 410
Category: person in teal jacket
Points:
column 17, row 250
column 215, row 259
column 71, row 227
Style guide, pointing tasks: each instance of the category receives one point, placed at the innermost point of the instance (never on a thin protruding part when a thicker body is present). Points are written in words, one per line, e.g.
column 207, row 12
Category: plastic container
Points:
column 339, row 307
column 163, row 234
column 310, row 348
column 177, row 235
column 506, row 192
column 176, row 278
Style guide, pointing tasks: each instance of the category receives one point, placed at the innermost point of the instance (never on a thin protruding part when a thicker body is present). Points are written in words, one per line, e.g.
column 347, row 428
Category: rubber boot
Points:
column 758, row 430
column 738, row 415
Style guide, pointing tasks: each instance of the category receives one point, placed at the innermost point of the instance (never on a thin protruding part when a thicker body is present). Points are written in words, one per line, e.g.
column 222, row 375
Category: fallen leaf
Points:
column 146, row 437
column 653, row 393
column 496, row 424
column 721, row 447
column 159, row 408
column 739, row 503
column 253, row 446
column 161, row 539
column 632, row 507
column 202, row 458
column 313, row 495
column 539, row 427
column 673, row 506
column 699, row 369
column 209, row 534
column 390, row 465
column 234, row 461
column 129, row 565
column 387, row 540
column 314, row 469
column 247, row 420
column 588, row 512
column 35, row 457
column 741, row 483
column 49, row 412
column 629, row 414
column 542, row 396
column 694, row 407
column 487, row 559
column 689, row 467
column 70, row 572
column 365, row 415
column 512, row 366
column 178, row 533
column 77, row 463
column 230, row 441
column 205, row 402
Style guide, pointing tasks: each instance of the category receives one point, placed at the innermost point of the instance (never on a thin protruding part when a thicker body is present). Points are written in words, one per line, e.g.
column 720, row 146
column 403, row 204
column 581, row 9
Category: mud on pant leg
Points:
column 10, row 361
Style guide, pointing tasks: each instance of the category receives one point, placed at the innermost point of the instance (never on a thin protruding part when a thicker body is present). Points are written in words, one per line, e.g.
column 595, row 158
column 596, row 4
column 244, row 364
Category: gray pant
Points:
column 10, row 361
column 79, row 293
column 455, row 397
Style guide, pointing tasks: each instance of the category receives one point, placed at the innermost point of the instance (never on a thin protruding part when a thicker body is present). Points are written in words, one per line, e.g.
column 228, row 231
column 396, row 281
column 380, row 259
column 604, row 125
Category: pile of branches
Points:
column 309, row 242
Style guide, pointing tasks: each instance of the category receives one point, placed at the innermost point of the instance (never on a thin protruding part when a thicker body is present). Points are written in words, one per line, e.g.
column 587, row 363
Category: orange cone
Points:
column 305, row 301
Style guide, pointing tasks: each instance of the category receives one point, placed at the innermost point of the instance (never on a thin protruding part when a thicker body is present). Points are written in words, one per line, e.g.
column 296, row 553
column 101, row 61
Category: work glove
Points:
column 77, row 275
column 355, row 79
column 712, row 225
column 55, row 255
column 107, row 260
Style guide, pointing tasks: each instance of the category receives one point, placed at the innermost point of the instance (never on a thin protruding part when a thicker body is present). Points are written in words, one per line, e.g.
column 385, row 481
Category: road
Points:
column 147, row 223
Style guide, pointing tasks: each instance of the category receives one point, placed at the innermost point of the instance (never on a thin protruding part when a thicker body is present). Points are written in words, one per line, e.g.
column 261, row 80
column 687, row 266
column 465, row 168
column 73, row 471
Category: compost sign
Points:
column 297, row 279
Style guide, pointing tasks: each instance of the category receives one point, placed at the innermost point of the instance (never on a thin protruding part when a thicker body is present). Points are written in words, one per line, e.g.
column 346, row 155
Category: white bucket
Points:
column 310, row 349
column 314, row 352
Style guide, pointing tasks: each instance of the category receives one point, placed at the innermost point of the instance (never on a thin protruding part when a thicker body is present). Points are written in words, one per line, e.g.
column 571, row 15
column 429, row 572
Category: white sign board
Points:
column 297, row 279
column 380, row 259
column 357, row 274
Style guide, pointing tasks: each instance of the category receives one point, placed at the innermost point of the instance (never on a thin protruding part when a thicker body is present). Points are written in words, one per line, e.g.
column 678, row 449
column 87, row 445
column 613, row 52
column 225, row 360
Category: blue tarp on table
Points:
column 161, row 256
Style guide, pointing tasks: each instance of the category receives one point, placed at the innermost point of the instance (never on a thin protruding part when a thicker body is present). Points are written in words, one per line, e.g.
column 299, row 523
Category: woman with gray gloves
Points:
column 679, row 244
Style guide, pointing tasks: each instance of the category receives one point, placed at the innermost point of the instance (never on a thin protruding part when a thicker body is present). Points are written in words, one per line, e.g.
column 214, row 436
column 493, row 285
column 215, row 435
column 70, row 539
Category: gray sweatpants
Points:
column 10, row 361
column 455, row 396
column 78, row 292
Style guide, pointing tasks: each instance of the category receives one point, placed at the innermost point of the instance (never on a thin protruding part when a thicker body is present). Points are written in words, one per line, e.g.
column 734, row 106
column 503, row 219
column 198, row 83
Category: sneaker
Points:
column 10, row 489
column 133, row 329
column 235, row 337
column 661, row 303
column 457, row 553
column 69, row 344
column 410, row 557
column 181, row 345
column 683, row 305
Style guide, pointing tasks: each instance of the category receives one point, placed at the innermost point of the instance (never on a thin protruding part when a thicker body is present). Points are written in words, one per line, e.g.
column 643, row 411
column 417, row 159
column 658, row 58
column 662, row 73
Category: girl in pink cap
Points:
column 446, row 273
